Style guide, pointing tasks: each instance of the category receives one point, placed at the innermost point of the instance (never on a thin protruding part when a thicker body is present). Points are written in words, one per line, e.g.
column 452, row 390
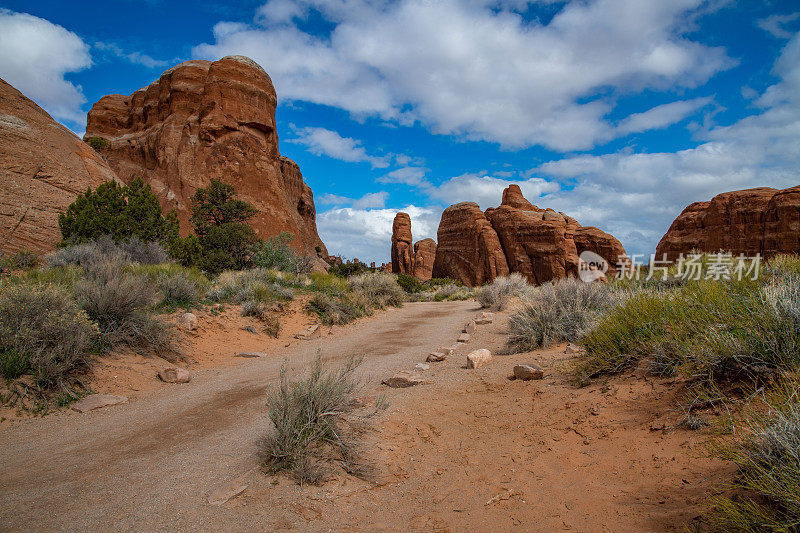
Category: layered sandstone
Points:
column 541, row 244
column 205, row 120
column 43, row 168
column 762, row 221
column 424, row 257
column 402, row 249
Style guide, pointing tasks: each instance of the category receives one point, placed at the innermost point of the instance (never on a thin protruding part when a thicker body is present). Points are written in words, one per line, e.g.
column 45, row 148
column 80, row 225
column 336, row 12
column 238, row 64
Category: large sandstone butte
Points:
column 416, row 260
column 753, row 221
column 474, row 246
column 204, row 120
column 43, row 168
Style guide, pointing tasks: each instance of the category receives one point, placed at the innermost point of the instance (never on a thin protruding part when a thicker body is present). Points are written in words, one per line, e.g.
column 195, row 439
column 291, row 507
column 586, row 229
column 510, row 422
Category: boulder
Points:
column 188, row 321
column 43, row 168
column 174, row 375
column 96, row 401
column 424, row 256
column 402, row 250
column 528, row 372
column 478, row 358
column 204, row 120
column 762, row 221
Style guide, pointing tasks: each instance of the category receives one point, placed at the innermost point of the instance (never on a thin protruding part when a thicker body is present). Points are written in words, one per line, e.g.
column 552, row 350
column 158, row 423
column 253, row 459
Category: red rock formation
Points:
column 468, row 248
column 540, row 244
column 402, row 250
column 43, row 168
column 753, row 221
column 205, row 120
column 424, row 256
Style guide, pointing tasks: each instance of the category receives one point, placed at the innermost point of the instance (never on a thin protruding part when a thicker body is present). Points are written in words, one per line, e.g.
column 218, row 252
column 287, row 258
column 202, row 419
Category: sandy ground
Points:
column 470, row 450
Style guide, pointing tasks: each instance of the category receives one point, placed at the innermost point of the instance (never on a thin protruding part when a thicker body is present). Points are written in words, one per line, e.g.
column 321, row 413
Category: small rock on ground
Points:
column 96, row 401
column 401, row 381
column 310, row 332
column 464, row 337
column 526, row 372
column 571, row 348
column 478, row 358
column 223, row 494
column 435, row 357
column 422, row 366
column 251, row 354
column 447, row 351
column 188, row 321
column 175, row 375
column 482, row 321
column 470, row 327
column 487, row 314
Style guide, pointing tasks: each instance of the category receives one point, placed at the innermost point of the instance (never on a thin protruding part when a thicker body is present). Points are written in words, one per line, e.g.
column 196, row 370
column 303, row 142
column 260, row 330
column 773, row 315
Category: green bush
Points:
column 98, row 143
column 328, row 283
column 316, row 422
column 119, row 211
column 410, row 284
column 259, row 284
column 336, row 311
column 43, row 331
column 275, row 253
column 349, row 268
column 23, row 259
column 378, row 289
column 557, row 312
column 174, row 284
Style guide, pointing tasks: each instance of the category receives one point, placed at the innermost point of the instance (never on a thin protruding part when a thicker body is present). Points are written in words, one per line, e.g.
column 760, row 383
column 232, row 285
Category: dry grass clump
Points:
column 378, row 289
column 557, row 312
column 336, row 310
column 266, row 313
column 258, row 284
column 43, row 332
column 105, row 249
column 317, row 422
column 497, row 294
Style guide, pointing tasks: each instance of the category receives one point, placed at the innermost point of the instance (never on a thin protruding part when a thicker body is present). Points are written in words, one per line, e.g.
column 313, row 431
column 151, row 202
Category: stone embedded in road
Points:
column 402, row 380
column 96, row 401
column 447, row 351
column 478, row 358
column 310, row 332
column 435, row 357
column 188, row 321
column 175, row 375
column 464, row 337
column 251, row 354
column 487, row 314
column 223, row 494
column 527, row 372
column 422, row 366
column 470, row 327
column 482, row 321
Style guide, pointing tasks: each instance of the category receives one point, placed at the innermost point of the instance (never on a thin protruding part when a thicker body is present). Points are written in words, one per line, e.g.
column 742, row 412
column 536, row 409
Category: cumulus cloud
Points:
column 413, row 176
column 476, row 69
column 776, row 25
column 368, row 201
column 322, row 141
column 367, row 233
column 487, row 190
column 36, row 55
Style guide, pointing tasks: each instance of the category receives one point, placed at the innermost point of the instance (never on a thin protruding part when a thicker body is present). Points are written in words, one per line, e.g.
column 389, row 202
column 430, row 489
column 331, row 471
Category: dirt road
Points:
column 470, row 450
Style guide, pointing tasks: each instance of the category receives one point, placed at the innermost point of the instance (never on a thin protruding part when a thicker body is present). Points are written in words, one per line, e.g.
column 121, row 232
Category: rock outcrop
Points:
column 402, row 249
column 205, row 120
column 424, row 256
column 475, row 247
column 762, row 221
column 43, row 168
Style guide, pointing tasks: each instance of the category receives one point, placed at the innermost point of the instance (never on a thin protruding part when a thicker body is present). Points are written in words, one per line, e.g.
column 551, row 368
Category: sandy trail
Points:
column 470, row 450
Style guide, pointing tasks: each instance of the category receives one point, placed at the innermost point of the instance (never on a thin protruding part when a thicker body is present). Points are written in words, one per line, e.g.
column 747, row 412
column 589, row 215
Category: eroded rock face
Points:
column 541, row 244
column 762, row 221
column 424, row 256
column 43, row 168
column 205, row 120
column 402, row 250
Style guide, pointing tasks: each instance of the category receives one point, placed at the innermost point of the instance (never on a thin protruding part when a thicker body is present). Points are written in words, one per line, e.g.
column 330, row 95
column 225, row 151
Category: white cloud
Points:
column 661, row 116
column 473, row 69
column 36, row 55
column 367, row 233
column 775, row 25
column 321, row 141
column 487, row 191
column 368, row 201
column 413, row 176
column 137, row 58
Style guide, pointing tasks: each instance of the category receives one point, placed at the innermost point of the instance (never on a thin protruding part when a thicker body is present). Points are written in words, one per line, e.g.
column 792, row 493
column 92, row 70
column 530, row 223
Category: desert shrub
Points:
column 258, row 284
column 119, row 211
column 119, row 302
column 410, row 284
column 132, row 250
column 328, row 283
column 316, row 422
column 42, row 331
column 349, row 268
column 782, row 265
column 275, row 253
column 436, row 282
column 136, row 250
column 378, row 289
column 707, row 328
column 336, row 310
column 264, row 313
column 98, row 143
column 23, row 259
column 178, row 289
column 766, row 450
column 77, row 254
column 452, row 292
column 496, row 295
column 556, row 312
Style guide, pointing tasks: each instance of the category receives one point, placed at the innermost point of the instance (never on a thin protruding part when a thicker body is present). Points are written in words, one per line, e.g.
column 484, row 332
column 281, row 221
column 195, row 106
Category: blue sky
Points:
column 617, row 112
